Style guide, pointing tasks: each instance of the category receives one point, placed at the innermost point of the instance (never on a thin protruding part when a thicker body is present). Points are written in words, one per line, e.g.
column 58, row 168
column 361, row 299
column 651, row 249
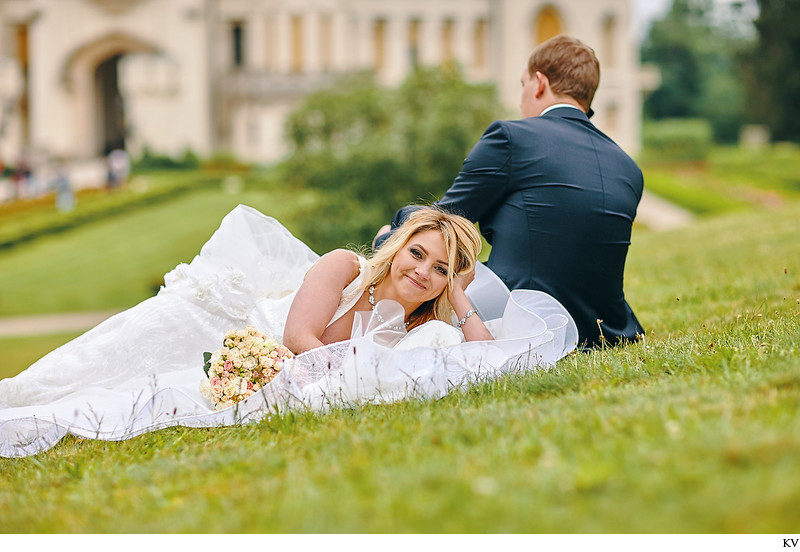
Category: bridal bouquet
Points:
column 247, row 361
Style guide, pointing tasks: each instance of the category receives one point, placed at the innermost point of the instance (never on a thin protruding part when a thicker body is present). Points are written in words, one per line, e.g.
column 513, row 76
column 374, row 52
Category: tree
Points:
column 774, row 83
column 670, row 45
column 367, row 150
column 696, row 47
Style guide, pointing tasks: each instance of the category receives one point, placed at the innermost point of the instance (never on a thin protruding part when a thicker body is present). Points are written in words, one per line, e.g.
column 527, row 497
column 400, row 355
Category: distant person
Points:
column 554, row 196
column 65, row 195
column 20, row 179
column 119, row 166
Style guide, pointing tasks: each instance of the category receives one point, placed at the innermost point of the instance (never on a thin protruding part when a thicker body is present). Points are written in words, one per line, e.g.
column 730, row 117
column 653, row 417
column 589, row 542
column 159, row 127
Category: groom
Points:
column 554, row 196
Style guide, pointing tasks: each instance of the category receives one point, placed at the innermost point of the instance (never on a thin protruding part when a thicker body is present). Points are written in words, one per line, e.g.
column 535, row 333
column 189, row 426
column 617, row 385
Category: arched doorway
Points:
column 90, row 75
column 109, row 111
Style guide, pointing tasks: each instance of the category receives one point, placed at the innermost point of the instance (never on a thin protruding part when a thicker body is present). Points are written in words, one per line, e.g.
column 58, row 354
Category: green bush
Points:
column 150, row 161
column 677, row 140
column 224, row 161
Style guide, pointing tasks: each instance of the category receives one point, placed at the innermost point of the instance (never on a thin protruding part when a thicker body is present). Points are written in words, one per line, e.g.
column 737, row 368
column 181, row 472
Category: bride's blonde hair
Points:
column 461, row 241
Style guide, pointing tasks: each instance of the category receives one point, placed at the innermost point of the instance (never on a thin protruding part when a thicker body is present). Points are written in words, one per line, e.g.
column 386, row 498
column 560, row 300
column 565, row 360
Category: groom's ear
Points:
column 542, row 84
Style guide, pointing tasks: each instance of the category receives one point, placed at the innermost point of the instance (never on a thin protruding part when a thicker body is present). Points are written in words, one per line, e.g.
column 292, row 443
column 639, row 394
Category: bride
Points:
column 425, row 267
column 401, row 324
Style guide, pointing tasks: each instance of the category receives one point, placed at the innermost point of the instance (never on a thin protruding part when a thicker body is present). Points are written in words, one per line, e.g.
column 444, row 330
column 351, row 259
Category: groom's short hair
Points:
column 570, row 66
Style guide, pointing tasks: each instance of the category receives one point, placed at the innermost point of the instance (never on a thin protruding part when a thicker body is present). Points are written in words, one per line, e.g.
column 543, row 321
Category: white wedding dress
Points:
column 141, row 369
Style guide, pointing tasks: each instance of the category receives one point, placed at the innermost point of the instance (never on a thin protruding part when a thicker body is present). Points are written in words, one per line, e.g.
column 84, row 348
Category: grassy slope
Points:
column 118, row 262
column 731, row 179
column 697, row 429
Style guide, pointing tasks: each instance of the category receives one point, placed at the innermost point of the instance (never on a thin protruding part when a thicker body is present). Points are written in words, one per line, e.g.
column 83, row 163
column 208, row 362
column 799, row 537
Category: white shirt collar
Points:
column 559, row 105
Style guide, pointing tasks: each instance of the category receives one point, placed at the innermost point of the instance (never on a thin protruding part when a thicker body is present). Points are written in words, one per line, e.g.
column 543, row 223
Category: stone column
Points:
column 364, row 51
column 396, row 59
column 283, row 42
column 255, row 56
column 430, row 43
column 311, row 43
column 340, row 31
column 463, row 42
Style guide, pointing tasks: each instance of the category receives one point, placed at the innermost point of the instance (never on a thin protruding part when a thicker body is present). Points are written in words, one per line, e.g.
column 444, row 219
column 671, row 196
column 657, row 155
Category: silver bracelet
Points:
column 463, row 321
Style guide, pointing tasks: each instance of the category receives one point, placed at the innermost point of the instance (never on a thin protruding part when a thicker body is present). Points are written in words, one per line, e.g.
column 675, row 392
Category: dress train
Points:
column 140, row 370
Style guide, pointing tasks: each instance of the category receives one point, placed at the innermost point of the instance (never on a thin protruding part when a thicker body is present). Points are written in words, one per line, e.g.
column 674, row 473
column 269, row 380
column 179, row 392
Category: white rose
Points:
column 205, row 390
column 240, row 386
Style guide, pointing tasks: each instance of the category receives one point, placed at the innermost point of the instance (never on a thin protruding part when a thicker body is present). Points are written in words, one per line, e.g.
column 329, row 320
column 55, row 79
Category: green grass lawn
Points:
column 696, row 429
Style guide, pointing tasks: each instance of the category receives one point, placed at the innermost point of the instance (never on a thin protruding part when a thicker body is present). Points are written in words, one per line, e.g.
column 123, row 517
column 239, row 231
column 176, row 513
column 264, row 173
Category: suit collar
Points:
column 568, row 112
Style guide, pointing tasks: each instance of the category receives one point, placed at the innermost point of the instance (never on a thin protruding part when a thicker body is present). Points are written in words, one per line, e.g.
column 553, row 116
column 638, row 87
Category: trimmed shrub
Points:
column 677, row 140
column 150, row 161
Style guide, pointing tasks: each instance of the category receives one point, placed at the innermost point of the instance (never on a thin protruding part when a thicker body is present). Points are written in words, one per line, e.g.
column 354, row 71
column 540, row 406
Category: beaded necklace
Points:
column 377, row 314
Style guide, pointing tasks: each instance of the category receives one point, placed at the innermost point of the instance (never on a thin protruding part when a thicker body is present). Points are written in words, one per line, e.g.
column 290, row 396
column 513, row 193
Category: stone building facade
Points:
column 80, row 77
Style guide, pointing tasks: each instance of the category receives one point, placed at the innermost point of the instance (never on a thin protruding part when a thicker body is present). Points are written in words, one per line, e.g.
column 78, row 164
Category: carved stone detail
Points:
column 116, row 6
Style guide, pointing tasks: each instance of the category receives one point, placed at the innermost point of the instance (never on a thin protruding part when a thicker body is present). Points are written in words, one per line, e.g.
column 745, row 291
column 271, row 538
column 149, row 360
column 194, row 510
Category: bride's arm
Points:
column 473, row 327
column 317, row 299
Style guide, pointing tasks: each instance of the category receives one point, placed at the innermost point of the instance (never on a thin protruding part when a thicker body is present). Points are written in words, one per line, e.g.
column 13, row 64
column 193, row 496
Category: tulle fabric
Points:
column 140, row 370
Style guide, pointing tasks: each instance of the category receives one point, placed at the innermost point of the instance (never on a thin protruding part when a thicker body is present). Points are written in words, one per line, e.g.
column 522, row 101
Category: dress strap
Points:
column 352, row 292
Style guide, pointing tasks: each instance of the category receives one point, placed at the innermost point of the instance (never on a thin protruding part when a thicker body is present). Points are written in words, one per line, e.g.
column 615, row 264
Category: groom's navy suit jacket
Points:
column 556, row 199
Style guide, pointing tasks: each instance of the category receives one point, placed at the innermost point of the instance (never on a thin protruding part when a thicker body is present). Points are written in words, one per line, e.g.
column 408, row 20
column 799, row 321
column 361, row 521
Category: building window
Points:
column 379, row 44
column 413, row 42
column 297, row 44
column 481, row 43
column 546, row 25
column 326, row 42
column 609, row 40
column 237, row 43
column 448, row 27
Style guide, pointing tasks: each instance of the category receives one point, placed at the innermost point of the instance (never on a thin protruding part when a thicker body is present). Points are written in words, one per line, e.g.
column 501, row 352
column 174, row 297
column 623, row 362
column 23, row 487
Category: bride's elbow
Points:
column 293, row 343
column 298, row 342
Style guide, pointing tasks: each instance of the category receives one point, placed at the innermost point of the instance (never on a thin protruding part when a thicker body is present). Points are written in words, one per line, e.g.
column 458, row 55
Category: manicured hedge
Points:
column 677, row 139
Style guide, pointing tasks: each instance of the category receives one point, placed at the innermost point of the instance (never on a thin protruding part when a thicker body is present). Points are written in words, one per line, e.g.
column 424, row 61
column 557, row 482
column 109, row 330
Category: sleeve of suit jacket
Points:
column 484, row 180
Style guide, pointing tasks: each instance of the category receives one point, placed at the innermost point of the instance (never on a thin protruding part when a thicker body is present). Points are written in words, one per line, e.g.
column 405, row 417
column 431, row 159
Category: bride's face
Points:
column 419, row 270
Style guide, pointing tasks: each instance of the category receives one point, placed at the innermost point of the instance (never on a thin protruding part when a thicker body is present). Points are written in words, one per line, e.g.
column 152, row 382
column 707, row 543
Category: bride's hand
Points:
column 461, row 281
column 473, row 327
